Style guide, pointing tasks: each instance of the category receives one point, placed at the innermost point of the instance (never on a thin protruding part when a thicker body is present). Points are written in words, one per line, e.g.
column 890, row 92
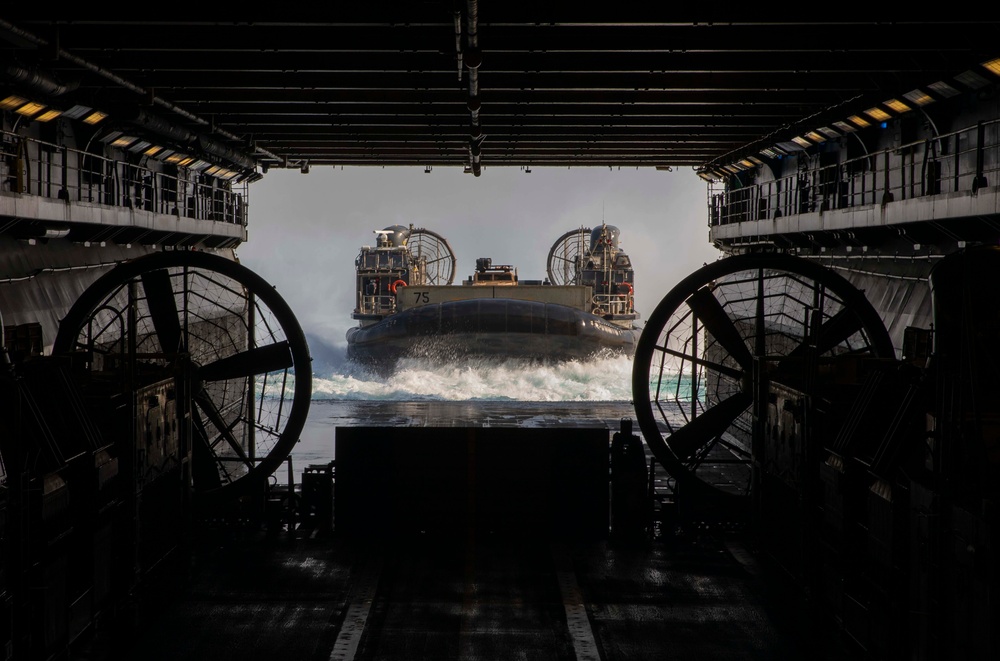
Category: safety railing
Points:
column 36, row 167
column 377, row 304
column 612, row 303
column 964, row 160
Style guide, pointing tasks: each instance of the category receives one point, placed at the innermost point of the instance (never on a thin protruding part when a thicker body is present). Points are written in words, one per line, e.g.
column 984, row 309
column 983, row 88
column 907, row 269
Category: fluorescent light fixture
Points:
column 816, row 137
column 770, row 153
column 731, row 169
column 918, row 97
column 165, row 154
column 755, row 160
column 707, row 176
column 199, row 165
column 859, row 120
column 176, row 158
column 30, row 108
column 972, row 80
column 942, row 88
column 802, row 142
column 747, row 162
column 123, row 141
column 214, row 170
column 828, row 132
column 48, row 115
column 77, row 111
column 993, row 66
column 139, row 146
column 897, row 106
column 845, row 127
column 12, row 102
column 95, row 117
column 878, row 114
column 185, row 161
column 152, row 151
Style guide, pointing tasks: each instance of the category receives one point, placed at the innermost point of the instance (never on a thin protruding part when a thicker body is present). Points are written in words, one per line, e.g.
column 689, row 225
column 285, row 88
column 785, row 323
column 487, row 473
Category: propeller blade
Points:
column 834, row 330
column 204, row 471
column 261, row 360
column 686, row 441
column 162, row 308
column 731, row 372
column 215, row 417
column 707, row 308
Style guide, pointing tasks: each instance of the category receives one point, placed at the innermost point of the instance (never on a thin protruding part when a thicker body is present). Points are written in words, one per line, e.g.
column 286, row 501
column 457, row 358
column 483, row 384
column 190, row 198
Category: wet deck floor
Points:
column 466, row 593
column 249, row 596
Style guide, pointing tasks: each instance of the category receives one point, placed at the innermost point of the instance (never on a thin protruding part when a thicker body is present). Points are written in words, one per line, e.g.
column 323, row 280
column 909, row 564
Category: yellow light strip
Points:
column 94, row 117
column 878, row 114
column 29, row 109
column 859, row 120
column 48, row 115
column 12, row 102
column 815, row 137
column 801, row 141
column 993, row 66
column 898, row 105
column 919, row 97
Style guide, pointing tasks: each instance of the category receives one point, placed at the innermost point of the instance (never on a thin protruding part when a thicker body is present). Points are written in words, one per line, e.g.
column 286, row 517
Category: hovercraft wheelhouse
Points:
column 406, row 303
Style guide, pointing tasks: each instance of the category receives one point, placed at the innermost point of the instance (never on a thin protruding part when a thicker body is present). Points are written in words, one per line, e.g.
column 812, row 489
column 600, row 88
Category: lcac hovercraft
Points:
column 408, row 306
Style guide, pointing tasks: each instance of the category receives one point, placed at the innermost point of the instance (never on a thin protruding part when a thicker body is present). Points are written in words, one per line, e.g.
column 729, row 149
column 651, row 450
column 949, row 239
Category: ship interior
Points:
column 813, row 464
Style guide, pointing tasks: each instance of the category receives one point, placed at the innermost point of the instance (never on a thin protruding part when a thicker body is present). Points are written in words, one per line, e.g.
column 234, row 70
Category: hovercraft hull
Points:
column 491, row 327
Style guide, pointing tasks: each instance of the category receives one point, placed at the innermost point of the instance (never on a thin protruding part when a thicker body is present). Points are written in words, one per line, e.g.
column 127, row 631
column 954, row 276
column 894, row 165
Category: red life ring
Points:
column 627, row 286
column 392, row 287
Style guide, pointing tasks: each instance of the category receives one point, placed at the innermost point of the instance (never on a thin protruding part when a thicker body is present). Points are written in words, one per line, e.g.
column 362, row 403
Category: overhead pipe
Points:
column 118, row 80
column 474, row 58
column 458, row 38
column 39, row 81
column 216, row 148
column 158, row 125
column 476, row 154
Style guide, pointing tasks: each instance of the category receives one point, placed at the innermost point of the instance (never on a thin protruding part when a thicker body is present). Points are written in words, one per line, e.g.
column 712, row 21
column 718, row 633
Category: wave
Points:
column 602, row 379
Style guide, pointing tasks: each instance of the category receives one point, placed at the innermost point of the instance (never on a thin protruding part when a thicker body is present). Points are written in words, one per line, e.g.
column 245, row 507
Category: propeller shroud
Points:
column 713, row 345
column 225, row 336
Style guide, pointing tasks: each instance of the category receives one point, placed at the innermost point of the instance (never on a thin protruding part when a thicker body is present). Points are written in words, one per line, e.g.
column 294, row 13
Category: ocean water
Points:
column 425, row 392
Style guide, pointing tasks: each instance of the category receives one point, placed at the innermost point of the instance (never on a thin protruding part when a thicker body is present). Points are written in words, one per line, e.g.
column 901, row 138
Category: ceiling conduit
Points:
column 41, row 82
column 473, row 58
column 458, row 38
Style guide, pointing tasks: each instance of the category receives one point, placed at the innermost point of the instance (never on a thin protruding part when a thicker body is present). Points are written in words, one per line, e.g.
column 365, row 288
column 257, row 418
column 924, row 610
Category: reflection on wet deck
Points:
column 469, row 413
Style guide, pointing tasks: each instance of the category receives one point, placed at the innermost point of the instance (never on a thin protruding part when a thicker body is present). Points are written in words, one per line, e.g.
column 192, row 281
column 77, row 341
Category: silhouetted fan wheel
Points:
column 440, row 257
column 220, row 327
column 714, row 343
column 561, row 265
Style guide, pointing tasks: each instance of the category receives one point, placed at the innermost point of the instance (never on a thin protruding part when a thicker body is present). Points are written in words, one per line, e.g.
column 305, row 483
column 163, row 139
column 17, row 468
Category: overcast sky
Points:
column 306, row 229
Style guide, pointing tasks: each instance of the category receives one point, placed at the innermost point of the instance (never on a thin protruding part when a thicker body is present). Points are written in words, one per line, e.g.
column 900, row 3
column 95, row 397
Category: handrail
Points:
column 966, row 159
column 36, row 167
